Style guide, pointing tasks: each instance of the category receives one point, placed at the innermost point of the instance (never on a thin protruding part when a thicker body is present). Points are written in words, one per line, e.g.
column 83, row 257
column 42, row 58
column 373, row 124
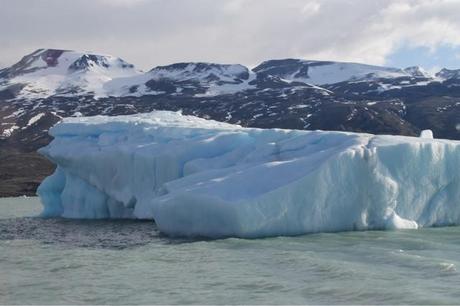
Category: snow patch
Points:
column 35, row 119
column 9, row 131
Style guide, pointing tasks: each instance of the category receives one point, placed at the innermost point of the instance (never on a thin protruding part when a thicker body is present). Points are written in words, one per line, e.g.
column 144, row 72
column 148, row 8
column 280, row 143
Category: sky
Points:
column 148, row 33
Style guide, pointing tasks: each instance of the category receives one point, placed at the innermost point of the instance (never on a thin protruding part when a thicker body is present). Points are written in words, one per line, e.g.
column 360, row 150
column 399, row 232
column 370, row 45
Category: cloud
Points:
column 155, row 32
column 122, row 3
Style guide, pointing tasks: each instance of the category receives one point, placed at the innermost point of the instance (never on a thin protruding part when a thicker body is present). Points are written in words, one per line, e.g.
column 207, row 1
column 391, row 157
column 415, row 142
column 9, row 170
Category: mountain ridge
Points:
column 113, row 77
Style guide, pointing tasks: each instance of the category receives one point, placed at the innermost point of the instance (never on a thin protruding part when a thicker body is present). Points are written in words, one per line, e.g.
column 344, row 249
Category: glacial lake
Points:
column 59, row 261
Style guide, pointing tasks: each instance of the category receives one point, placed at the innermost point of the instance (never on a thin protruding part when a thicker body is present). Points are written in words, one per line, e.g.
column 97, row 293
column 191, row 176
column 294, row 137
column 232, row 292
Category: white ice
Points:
column 427, row 134
column 196, row 177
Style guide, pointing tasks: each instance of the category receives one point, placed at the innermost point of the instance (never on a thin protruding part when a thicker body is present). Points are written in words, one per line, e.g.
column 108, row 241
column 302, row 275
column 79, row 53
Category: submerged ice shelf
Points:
column 198, row 177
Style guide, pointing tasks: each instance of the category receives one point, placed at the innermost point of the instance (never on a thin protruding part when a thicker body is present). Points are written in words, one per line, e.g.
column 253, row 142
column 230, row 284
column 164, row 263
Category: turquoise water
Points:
column 58, row 261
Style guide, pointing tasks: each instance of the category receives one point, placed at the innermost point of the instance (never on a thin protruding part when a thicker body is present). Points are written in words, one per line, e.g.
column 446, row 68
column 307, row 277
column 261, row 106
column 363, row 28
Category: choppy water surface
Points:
column 128, row 262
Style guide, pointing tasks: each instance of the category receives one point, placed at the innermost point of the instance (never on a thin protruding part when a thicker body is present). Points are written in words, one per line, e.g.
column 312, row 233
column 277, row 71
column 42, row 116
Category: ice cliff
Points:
column 196, row 177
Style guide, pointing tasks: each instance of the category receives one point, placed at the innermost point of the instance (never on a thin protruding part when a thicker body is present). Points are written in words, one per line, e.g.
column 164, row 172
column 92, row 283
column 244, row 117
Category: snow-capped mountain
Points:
column 417, row 72
column 447, row 74
column 358, row 79
column 325, row 72
column 48, row 72
column 295, row 93
column 200, row 79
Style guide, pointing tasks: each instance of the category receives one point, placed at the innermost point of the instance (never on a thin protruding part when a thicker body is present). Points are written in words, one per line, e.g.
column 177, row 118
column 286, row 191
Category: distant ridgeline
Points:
column 48, row 84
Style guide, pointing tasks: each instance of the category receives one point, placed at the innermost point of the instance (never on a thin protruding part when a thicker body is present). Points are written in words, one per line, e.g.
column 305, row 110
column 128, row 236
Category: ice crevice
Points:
column 198, row 177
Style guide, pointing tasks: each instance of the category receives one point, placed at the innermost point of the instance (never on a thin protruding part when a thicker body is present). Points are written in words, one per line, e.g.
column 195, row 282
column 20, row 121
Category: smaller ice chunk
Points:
column 428, row 134
column 396, row 222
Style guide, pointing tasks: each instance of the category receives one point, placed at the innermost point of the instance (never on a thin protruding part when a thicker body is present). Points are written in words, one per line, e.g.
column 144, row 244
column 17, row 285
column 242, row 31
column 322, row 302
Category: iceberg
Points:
column 202, row 178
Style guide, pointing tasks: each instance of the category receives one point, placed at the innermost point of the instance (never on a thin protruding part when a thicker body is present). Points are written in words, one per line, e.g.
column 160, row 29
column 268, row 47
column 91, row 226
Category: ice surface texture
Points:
column 197, row 177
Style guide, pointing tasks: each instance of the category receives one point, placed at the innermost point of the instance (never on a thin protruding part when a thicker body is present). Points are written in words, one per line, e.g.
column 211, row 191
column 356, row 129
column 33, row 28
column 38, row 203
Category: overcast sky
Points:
column 156, row 32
